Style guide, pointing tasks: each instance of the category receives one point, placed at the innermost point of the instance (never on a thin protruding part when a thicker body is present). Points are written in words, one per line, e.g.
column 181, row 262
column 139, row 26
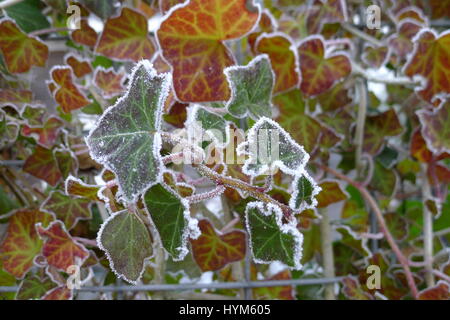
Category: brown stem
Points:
column 382, row 223
column 48, row 30
column 255, row 192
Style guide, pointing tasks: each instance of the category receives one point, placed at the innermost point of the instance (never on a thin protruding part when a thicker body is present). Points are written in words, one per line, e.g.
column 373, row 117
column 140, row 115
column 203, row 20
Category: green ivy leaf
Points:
column 27, row 14
column 215, row 126
column 170, row 215
column 270, row 239
column 34, row 287
column 270, row 147
column 126, row 139
column 305, row 190
column 252, row 87
column 126, row 241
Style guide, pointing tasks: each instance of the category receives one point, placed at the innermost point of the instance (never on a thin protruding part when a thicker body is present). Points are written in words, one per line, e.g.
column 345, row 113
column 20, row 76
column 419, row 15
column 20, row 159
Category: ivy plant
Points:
column 250, row 139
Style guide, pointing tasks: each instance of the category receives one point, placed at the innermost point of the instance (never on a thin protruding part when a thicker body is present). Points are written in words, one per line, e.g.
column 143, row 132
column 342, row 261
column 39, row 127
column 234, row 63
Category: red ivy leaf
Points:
column 283, row 59
column 59, row 293
column 325, row 11
column 80, row 67
column 60, row 250
column 379, row 127
column 436, row 127
column 353, row 291
column 438, row 292
column 375, row 57
column 85, row 35
column 15, row 96
column 191, row 38
column 320, row 72
column 331, row 193
column 401, row 42
column 431, row 60
column 22, row 243
column 276, row 293
column 126, row 37
column 76, row 187
column 68, row 95
column 46, row 135
column 110, row 81
column 43, row 165
column 20, row 51
column 67, row 209
column 213, row 251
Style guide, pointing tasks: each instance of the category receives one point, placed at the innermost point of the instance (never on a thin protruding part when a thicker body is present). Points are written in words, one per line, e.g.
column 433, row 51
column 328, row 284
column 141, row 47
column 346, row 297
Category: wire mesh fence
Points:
column 196, row 286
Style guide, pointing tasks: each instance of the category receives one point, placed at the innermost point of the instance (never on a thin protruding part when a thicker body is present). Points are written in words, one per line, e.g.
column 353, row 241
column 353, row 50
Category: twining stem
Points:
column 327, row 252
column 48, row 30
column 361, row 90
column 361, row 34
column 427, row 230
column 382, row 224
column 253, row 191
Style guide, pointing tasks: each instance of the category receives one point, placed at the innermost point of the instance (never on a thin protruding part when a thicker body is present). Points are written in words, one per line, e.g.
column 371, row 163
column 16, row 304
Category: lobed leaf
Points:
column 212, row 250
column 271, row 239
column 251, row 88
column 60, row 249
column 320, row 71
column 67, row 209
column 126, row 138
column 171, row 217
column 20, row 51
column 191, row 38
column 21, row 243
column 126, row 38
column 279, row 48
column 270, row 147
column 127, row 244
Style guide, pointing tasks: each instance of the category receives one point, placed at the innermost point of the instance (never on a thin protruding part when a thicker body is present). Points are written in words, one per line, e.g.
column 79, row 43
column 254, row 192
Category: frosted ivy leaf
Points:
column 214, row 125
column 305, row 190
column 252, row 87
column 269, row 147
column 126, row 139
column 271, row 239
column 170, row 215
column 127, row 244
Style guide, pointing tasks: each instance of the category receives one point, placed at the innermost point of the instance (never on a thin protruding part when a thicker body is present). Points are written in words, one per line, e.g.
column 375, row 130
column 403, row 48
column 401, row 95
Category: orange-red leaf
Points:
column 22, row 243
column 331, row 193
column 329, row 11
column 67, row 94
column 42, row 164
column 59, row 293
column 126, row 37
column 15, row 96
column 282, row 57
column 60, row 250
column 276, row 293
column 378, row 128
column 191, row 38
column 213, row 251
column 85, row 35
column 110, row 81
column 20, row 51
column 401, row 42
column 319, row 71
column 45, row 135
column 431, row 60
column 76, row 187
column 80, row 67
